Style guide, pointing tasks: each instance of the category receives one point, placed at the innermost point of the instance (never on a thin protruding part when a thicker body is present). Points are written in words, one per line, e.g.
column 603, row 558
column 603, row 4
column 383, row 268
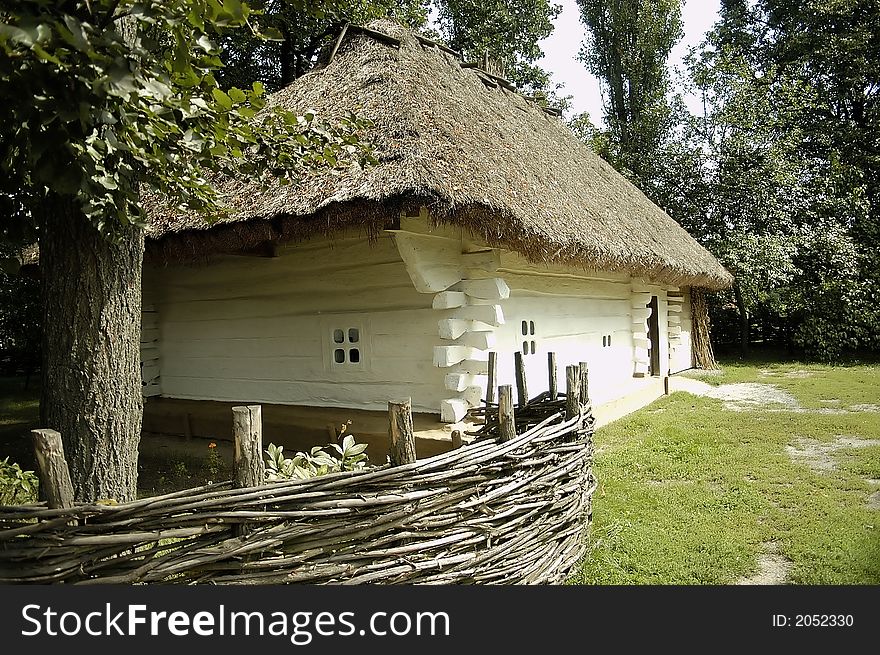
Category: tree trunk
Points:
column 743, row 319
column 91, row 390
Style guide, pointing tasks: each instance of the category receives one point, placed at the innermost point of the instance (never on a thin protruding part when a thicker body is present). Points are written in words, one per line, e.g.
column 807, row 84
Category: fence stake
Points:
column 400, row 430
column 521, row 391
column 493, row 377
column 585, row 385
column 506, row 421
column 456, row 439
column 551, row 372
column 54, row 474
column 249, row 469
column 572, row 391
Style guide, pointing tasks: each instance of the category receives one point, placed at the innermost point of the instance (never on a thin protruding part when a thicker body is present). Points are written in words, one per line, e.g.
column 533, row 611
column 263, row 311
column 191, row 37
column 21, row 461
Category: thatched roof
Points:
column 478, row 154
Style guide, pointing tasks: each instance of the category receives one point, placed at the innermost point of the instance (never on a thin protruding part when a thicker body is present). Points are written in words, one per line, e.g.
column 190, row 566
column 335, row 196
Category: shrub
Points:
column 349, row 456
column 17, row 487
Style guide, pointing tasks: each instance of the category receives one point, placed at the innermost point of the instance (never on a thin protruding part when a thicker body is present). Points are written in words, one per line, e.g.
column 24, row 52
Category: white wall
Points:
column 252, row 329
column 572, row 310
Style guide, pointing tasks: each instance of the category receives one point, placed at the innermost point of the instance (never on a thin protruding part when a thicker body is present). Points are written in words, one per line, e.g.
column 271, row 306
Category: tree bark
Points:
column 91, row 391
column 743, row 319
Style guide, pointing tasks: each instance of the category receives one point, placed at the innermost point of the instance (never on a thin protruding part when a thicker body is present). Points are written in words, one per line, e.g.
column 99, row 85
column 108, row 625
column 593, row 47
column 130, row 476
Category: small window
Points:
column 344, row 349
column 609, row 339
column 529, row 345
column 604, row 341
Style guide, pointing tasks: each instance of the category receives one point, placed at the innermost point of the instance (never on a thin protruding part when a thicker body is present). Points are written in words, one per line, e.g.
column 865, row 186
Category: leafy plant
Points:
column 17, row 487
column 350, row 456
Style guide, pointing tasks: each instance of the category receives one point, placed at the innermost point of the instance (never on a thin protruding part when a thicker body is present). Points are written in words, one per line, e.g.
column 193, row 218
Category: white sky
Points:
column 561, row 48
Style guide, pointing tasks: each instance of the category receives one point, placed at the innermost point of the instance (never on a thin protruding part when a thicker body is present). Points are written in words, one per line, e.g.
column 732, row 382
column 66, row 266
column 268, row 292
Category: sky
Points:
column 561, row 48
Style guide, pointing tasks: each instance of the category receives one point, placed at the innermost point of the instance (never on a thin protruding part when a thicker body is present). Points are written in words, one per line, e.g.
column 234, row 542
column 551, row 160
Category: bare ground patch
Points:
column 773, row 568
column 822, row 456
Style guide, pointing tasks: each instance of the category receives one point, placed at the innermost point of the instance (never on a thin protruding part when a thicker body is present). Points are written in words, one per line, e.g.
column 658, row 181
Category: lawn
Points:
column 692, row 492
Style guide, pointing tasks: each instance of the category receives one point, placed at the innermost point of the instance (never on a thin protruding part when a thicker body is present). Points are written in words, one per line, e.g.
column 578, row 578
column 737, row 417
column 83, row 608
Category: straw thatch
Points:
column 461, row 142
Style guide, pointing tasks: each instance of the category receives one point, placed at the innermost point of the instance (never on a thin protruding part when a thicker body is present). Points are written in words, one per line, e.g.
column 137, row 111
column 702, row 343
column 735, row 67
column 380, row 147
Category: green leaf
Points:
column 221, row 98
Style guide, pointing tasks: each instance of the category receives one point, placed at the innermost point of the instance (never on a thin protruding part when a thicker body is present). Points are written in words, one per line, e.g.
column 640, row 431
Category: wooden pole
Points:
column 493, row 377
column 248, row 467
column 572, row 391
column 584, row 374
column 521, row 391
column 551, row 373
column 400, row 431
column 506, row 422
column 52, row 468
column 456, row 439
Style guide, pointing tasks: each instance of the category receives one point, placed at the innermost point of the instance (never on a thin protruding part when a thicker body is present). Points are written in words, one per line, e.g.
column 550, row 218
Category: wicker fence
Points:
column 511, row 507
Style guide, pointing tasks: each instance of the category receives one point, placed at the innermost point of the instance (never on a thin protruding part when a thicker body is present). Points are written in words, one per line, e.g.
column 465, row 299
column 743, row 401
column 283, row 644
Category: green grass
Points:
column 691, row 493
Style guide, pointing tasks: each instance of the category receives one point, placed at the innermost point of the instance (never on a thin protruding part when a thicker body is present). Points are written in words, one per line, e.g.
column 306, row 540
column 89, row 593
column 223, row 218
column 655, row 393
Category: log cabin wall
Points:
column 327, row 324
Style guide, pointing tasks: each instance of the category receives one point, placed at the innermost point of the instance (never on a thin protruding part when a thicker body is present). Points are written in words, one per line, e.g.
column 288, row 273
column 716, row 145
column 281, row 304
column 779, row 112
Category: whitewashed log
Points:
column 493, row 288
column 674, row 330
column 471, row 367
column 449, row 300
column 453, row 328
column 641, row 368
column 640, row 354
column 640, row 313
column 452, row 410
column 641, row 299
column 674, row 308
column 491, row 314
column 445, row 356
column 484, row 260
column 479, row 340
column 461, row 381
column 473, row 396
column 433, row 263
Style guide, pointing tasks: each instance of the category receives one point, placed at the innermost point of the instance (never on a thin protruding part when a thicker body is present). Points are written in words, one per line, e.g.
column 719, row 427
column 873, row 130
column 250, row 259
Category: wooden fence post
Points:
column 522, row 391
column 456, row 439
column 584, row 374
column 551, row 374
column 572, row 391
column 52, row 467
column 506, row 422
column 249, row 469
column 247, row 462
column 400, row 430
column 493, row 377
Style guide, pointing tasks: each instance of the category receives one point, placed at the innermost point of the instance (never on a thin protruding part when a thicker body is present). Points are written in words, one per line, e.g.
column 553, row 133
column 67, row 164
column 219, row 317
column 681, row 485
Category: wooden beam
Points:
column 490, row 314
column 449, row 300
column 522, row 391
column 493, row 288
column 433, row 263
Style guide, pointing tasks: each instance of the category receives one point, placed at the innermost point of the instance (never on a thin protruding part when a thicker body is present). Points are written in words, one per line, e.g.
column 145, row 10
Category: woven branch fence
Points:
column 511, row 507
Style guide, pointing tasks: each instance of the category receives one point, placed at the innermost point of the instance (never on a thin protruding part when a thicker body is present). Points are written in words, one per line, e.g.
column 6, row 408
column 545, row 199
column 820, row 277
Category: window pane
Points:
column 525, row 328
column 339, row 356
column 525, row 347
column 338, row 336
column 604, row 342
column 354, row 355
column 353, row 335
column 531, row 327
column 609, row 339
column 533, row 347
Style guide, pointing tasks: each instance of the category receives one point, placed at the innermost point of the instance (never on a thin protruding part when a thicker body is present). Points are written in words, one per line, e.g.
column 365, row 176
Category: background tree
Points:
column 100, row 99
column 628, row 43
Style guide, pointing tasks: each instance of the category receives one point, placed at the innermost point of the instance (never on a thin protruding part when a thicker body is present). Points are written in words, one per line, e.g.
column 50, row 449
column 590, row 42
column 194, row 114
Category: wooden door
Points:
column 653, row 338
